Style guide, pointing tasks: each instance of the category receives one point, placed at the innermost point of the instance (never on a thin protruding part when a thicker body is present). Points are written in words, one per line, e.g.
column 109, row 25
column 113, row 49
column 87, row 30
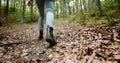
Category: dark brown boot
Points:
column 49, row 37
column 40, row 35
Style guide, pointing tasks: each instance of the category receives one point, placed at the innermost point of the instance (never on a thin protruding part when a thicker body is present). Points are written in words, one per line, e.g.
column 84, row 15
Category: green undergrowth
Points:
column 88, row 20
column 14, row 17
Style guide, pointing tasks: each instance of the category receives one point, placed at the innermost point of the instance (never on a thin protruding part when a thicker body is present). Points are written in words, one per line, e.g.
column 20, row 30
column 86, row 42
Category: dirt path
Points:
column 75, row 44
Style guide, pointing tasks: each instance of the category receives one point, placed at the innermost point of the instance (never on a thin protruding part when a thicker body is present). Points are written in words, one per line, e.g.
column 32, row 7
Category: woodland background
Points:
column 86, row 31
column 87, row 12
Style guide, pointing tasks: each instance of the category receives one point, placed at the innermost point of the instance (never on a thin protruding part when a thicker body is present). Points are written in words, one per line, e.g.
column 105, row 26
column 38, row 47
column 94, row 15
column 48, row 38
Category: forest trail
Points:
column 75, row 44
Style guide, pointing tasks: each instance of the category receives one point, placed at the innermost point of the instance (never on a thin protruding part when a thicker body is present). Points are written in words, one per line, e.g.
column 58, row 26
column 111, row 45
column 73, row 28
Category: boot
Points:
column 50, row 38
column 40, row 35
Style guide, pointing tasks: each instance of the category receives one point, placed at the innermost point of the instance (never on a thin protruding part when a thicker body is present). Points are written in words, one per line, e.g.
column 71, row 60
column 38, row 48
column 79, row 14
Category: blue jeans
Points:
column 46, row 9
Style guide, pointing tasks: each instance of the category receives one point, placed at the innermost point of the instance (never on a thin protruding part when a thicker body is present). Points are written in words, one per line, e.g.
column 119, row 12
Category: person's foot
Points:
column 40, row 35
column 50, row 38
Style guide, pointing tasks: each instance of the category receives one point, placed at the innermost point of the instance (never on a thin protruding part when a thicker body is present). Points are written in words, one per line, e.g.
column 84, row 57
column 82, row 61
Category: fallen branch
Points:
column 98, row 54
column 8, row 44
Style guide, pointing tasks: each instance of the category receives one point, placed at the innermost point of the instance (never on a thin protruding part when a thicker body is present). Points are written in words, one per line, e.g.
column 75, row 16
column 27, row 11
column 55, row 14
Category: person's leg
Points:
column 40, row 5
column 49, row 12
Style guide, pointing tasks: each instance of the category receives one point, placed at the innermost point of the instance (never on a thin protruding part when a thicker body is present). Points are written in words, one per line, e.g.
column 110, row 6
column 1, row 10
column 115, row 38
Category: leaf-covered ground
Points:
column 75, row 44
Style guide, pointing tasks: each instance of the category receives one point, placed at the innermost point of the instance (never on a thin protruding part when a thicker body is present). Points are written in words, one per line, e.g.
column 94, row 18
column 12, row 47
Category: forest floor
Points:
column 75, row 44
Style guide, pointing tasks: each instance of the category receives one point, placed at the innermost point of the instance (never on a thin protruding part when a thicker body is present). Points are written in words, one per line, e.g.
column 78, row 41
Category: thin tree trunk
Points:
column 23, row 12
column 91, row 5
column 31, row 11
column 60, row 8
column 99, row 7
column 14, row 3
column 84, row 4
column 7, row 7
column 81, row 6
column 57, row 8
column 64, row 8
column 11, row 3
column 76, row 6
column 0, row 6
column 69, row 8
column 73, row 9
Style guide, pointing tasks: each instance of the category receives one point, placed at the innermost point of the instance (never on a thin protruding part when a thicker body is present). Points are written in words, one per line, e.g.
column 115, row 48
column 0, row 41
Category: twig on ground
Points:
column 91, row 57
column 100, row 55
column 8, row 44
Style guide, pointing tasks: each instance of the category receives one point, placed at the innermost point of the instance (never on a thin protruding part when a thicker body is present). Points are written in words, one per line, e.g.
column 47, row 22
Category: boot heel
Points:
column 49, row 37
column 48, row 40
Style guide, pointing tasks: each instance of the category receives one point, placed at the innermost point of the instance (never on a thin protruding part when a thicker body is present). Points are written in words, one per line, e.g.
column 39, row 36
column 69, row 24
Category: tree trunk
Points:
column 81, row 6
column 61, row 7
column 32, row 11
column 14, row 3
column 84, row 4
column 7, row 7
column 73, row 9
column 0, row 6
column 99, row 7
column 69, row 8
column 23, row 12
column 11, row 3
column 91, row 5
column 64, row 8
column 76, row 5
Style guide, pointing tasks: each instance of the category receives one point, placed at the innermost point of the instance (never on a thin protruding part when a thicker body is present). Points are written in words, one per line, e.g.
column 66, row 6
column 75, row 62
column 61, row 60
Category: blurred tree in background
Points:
column 80, row 11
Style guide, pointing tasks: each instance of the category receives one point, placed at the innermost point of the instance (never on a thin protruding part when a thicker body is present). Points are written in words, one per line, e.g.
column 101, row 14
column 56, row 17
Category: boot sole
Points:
column 40, row 38
column 52, row 43
column 48, row 40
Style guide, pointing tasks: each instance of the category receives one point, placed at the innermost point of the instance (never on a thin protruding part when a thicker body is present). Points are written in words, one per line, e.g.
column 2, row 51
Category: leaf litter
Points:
column 75, row 44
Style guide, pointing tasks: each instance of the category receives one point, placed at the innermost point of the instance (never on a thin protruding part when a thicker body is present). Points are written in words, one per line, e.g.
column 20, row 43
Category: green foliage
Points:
column 12, row 9
column 60, row 16
column 14, row 17
column 111, row 13
column 110, row 23
column 81, row 19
